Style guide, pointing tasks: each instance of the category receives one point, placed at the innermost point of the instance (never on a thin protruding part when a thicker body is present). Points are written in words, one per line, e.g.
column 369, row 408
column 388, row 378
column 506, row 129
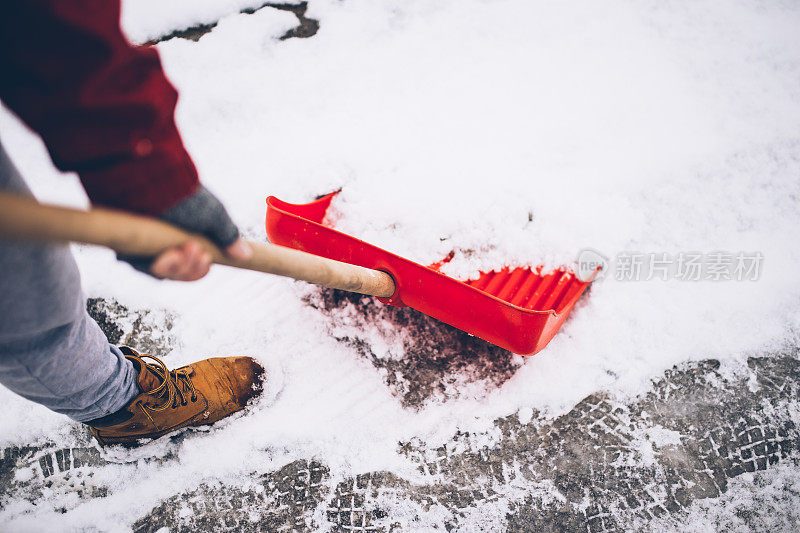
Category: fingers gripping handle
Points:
column 25, row 219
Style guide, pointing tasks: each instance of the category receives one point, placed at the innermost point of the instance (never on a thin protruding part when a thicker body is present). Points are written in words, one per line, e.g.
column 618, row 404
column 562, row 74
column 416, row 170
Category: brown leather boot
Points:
column 194, row 395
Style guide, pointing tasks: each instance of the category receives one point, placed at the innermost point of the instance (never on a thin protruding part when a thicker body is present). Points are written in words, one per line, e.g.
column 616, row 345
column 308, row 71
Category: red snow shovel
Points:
column 519, row 310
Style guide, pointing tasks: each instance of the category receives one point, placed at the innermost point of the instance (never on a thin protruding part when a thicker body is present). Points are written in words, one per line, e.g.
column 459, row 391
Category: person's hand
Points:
column 190, row 262
column 200, row 213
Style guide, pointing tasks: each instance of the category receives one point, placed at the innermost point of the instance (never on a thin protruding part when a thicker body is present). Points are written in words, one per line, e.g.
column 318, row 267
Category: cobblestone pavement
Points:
column 606, row 465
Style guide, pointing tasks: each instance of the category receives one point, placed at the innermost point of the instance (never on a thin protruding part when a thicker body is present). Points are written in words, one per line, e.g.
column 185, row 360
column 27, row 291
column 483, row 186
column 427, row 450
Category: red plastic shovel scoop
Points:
column 519, row 310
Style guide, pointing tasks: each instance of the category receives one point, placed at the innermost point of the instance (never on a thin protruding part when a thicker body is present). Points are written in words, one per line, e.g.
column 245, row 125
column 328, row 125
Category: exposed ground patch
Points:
column 143, row 330
column 306, row 27
column 427, row 358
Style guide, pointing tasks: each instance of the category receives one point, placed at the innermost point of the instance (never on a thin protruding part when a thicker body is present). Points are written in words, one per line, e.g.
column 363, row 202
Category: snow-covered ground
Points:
column 507, row 131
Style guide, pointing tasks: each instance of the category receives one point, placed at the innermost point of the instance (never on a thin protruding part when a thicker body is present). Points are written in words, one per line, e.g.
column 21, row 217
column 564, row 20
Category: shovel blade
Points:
column 518, row 309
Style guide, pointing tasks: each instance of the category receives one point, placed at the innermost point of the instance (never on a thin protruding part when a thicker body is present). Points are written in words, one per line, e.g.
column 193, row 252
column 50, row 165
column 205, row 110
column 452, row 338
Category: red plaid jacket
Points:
column 103, row 107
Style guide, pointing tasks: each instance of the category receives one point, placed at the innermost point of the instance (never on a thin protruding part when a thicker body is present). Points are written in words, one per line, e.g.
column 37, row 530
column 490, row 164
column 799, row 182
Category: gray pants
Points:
column 51, row 351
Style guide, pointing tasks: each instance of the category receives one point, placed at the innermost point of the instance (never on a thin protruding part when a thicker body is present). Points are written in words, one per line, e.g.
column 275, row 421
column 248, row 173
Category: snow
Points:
column 619, row 126
column 525, row 414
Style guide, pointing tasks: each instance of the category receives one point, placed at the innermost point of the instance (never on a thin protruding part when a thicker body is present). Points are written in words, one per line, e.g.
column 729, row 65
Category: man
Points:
column 105, row 110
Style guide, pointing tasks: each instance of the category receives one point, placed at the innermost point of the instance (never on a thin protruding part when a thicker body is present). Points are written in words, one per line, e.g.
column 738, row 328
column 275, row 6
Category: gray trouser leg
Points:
column 51, row 351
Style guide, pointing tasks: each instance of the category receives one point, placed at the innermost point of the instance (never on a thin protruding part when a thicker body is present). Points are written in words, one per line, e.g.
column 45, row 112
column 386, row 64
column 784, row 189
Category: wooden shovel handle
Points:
column 26, row 220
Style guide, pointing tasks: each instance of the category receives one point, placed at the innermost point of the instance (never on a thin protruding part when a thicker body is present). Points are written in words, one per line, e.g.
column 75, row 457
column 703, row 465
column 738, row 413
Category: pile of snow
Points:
column 512, row 132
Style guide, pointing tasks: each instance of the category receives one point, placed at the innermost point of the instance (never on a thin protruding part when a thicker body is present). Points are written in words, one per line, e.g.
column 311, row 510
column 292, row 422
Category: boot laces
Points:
column 172, row 391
